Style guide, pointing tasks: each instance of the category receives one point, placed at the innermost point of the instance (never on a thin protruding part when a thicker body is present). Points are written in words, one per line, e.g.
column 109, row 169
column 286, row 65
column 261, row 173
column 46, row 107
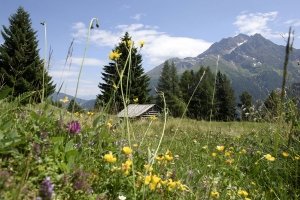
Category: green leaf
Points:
column 9, row 151
column 6, row 125
column 57, row 139
column 69, row 146
column 95, row 122
column 35, row 116
column 5, row 93
column 71, row 153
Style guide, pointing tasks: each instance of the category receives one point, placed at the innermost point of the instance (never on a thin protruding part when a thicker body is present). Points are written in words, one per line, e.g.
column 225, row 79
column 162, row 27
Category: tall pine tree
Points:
column 20, row 62
column 224, row 104
column 135, row 83
column 168, row 83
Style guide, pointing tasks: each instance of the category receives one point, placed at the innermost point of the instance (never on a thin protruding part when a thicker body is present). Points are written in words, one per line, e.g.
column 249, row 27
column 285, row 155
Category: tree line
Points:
column 200, row 95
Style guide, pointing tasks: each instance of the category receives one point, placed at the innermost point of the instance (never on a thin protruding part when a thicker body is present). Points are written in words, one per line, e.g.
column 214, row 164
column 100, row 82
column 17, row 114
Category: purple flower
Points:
column 46, row 190
column 73, row 127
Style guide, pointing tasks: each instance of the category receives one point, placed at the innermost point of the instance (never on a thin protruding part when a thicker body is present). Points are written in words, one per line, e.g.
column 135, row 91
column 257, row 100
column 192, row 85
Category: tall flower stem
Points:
column 44, row 67
column 86, row 47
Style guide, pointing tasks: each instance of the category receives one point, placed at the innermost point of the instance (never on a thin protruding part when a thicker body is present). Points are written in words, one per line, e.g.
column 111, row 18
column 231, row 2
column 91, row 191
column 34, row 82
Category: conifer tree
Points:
column 128, row 64
column 272, row 104
column 20, row 62
column 168, row 83
column 247, row 105
column 186, row 85
column 224, row 106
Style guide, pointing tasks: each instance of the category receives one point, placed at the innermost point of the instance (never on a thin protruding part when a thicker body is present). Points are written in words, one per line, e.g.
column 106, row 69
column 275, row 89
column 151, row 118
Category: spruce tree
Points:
column 186, row 85
column 168, row 83
column 20, row 62
column 135, row 82
column 224, row 106
column 272, row 104
column 247, row 105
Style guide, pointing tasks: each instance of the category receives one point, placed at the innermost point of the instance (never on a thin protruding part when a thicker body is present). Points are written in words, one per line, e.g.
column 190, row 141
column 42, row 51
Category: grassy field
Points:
column 48, row 153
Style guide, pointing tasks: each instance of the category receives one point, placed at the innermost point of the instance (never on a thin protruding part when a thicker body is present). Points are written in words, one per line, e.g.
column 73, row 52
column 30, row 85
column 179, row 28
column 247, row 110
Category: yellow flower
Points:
column 109, row 158
column 115, row 86
column 253, row 183
column 65, row 100
column 142, row 43
column 127, row 42
column 135, row 145
column 160, row 158
column 135, row 100
column 171, row 184
column 147, row 179
column 90, row 113
column 285, row 154
column 214, row 154
column 113, row 55
column 77, row 114
column 229, row 161
column 214, row 194
column 109, row 125
column 205, row 147
column 297, row 157
column 127, row 150
column 247, row 198
column 221, row 148
column 243, row 151
column 227, row 153
column 152, row 117
column 269, row 157
column 168, row 157
column 126, row 167
column 150, row 169
column 243, row 193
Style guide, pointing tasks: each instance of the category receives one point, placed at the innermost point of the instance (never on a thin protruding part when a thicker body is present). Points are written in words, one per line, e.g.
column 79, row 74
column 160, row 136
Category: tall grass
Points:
column 95, row 156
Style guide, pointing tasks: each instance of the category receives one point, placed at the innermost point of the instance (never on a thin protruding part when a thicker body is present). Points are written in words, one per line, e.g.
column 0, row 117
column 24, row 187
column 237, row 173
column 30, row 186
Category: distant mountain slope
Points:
column 252, row 63
column 85, row 104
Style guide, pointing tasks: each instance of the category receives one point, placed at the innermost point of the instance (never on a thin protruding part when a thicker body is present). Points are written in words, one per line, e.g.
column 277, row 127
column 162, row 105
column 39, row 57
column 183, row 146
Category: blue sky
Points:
column 171, row 28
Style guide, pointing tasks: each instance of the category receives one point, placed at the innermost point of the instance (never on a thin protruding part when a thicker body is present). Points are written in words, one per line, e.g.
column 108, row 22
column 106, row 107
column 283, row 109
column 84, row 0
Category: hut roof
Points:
column 135, row 110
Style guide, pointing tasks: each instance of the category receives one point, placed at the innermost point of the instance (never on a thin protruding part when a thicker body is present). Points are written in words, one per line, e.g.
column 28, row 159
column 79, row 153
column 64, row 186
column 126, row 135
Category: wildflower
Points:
column 152, row 118
column 122, row 197
column 109, row 158
column 127, row 150
column 126, row 167
column 150, row 169
column 135, row 100
column 168, row 157
column 243, row 151
column 135, row 145
column 205, row 147
column 90, row 113
column 46, row 190
column 171, row 184
column 229, row 161
column 247, row 198
column 253, row 183
column 142, row 43
column 160, row 158
column 243, row 193
column 127, row 42
column 227, row 153
column 285, row 154
column 215, row 194
column 195, row 141
column 64, row 100
column 297, row 157
column 115, row 86
column 269, row 157
column 220, row 148
column 113, row 55
column 109, row 125
column 73, row 127
column 214, row 154
column 154, row 182
column 147, row 179
column 77, row 114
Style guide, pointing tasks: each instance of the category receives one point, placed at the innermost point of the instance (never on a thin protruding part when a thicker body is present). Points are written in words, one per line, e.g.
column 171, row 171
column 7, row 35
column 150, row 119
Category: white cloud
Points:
column 124, row 7
column 293, row 22
column 138, row 16
column 88, row 62
column 256, row 23
column 159, row 45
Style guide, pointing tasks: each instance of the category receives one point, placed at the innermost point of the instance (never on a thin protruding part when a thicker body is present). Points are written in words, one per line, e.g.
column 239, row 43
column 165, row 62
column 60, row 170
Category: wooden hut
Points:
column 142, row 111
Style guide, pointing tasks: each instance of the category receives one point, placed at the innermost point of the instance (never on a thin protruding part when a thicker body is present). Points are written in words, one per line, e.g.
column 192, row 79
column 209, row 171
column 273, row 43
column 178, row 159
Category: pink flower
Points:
column 73, row 127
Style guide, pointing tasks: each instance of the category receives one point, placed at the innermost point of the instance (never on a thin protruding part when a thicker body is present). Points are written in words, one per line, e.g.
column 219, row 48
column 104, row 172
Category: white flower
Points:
column 122, row 197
